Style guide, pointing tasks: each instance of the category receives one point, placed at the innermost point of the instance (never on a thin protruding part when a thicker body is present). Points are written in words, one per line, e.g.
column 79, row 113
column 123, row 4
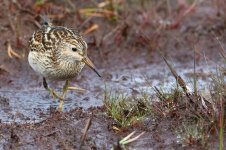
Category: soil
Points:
column 125, row 52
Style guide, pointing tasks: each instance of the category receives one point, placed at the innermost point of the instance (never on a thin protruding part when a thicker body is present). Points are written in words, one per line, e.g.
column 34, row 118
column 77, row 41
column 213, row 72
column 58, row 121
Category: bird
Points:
column 58, row 53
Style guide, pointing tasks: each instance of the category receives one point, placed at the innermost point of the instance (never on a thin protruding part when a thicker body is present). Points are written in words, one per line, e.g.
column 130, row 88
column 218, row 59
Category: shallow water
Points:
column 32, row 103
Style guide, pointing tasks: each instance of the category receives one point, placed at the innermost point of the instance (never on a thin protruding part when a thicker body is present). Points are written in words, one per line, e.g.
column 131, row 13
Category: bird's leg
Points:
column 65, row 88
column 51, row 91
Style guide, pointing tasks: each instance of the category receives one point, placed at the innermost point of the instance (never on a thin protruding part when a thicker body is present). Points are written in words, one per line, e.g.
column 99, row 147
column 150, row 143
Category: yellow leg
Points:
column 51, row 91
column 65, row 88
column 53, row 94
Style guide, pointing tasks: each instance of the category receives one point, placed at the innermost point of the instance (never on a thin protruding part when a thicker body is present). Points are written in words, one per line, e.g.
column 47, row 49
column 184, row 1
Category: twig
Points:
column 127, row 137
column 177, row 77
column 133, row 139
column 127, row 140
column 11, row 52
column 78, row 89
column 91, row 29
column 87, row 126
column 179, row 80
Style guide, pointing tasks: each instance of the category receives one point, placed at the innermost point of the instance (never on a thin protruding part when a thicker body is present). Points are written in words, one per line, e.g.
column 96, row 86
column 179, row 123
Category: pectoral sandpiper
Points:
column 58, row 53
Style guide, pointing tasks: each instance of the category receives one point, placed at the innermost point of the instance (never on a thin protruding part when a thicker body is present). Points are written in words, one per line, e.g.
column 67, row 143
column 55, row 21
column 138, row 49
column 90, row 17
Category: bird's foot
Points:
column 61, row 105
column 65, row 88
column 54, row 94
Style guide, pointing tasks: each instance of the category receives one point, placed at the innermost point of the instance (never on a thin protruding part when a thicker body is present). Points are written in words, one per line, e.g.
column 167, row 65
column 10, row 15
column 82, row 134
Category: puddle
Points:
column 33, row 103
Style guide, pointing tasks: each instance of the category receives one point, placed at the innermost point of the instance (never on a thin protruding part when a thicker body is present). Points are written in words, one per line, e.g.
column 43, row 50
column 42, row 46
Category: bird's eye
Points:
column 74, row 49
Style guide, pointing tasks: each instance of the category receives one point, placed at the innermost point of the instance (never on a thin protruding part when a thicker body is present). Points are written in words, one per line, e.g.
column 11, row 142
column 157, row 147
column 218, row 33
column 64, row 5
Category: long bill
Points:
column 89, row 63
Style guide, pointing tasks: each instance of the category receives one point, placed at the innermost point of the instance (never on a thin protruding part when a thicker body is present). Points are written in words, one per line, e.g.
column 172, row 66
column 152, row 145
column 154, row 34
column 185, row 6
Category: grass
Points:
column 168, row 103
column 196, row 119
column 126, row 111
column 219, row 87
column 221, row 124
column 198, row 116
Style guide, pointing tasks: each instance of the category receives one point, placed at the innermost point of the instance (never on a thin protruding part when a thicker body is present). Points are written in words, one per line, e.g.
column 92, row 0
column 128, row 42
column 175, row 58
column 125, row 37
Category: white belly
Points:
column 35, row 62
column 43, row 66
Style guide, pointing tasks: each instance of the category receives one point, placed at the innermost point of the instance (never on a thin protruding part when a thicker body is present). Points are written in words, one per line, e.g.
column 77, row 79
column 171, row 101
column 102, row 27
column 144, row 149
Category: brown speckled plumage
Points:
column 47, row 52
column 58, row 53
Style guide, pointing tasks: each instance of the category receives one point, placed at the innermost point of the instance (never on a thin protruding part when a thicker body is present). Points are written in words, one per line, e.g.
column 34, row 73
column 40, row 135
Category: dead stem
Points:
column 87, row 126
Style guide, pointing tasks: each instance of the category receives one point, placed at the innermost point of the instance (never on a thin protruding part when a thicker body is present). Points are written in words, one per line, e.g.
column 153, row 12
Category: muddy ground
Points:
column 124, row 49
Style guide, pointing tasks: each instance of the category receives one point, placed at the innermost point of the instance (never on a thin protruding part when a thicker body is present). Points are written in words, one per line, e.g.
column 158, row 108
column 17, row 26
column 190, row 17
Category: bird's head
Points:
column 74, row 48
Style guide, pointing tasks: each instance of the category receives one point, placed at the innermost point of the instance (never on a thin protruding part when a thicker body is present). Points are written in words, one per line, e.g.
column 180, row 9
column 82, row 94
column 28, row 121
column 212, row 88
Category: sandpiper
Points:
column 58, row 53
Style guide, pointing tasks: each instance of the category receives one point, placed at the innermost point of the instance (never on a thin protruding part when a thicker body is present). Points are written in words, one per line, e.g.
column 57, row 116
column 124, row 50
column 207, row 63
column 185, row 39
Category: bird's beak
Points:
column 89, row 63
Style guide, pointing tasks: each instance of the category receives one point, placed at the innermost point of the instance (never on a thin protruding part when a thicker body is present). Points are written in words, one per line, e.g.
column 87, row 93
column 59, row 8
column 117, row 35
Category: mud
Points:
column 63, row 131
column 128, row 63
